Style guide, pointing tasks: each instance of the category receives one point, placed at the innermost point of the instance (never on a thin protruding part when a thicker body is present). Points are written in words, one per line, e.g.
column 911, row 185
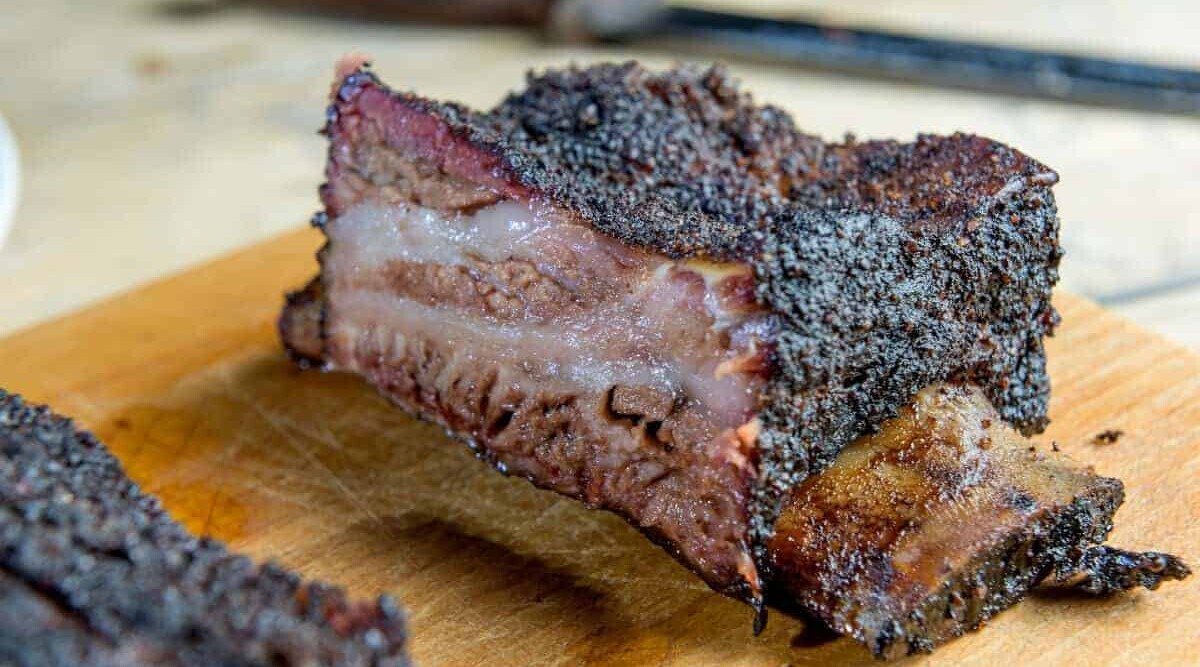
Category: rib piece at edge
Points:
column 943, row 519
column 94, row 572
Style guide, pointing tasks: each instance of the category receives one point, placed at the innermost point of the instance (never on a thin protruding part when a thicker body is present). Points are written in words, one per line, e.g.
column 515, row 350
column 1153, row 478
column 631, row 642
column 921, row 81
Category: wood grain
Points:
column 185, row 380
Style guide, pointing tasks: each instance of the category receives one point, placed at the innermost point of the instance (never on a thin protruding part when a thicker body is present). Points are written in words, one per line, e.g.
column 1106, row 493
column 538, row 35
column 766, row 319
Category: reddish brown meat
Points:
column 597, row 370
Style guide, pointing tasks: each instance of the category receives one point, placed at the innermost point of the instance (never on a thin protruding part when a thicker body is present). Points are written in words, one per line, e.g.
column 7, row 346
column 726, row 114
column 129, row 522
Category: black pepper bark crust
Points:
column 1103, row 570
column 94, row 572
column 890, row 266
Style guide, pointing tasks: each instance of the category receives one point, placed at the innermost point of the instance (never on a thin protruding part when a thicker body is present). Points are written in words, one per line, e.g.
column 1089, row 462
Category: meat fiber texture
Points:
column 94, row 572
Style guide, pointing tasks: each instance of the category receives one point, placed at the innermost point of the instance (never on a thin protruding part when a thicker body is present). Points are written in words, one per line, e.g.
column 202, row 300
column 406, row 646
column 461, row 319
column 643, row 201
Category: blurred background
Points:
column 156, row 134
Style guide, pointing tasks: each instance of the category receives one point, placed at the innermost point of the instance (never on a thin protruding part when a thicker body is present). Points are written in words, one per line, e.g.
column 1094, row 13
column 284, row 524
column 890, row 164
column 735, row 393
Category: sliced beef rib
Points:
column 644, row 291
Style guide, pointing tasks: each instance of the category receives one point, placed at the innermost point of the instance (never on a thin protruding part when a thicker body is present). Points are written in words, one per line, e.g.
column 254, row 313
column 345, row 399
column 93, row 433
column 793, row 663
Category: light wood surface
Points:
column 153, row 138
column 186, row 382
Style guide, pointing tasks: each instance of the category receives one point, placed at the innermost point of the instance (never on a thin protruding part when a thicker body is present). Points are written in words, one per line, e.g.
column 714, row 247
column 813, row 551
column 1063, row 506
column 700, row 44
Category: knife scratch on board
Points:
column 292, row 435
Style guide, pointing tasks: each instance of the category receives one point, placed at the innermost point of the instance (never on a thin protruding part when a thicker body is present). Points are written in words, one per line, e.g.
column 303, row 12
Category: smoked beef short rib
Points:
column 94, row 572
column 643, row 291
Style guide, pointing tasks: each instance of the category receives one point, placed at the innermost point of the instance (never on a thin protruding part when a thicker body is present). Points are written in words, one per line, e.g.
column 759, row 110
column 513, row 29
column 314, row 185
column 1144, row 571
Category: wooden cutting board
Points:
column 185, row 381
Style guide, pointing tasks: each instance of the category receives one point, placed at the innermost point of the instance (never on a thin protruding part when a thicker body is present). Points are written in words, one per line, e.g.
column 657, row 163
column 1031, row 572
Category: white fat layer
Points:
column 370, row 235
column 626, row 342
column 572, row 356
column 559, row 355
column 411, row 233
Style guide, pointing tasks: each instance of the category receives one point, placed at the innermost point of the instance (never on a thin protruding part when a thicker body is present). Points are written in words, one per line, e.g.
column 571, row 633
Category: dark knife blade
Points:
column 895, row 56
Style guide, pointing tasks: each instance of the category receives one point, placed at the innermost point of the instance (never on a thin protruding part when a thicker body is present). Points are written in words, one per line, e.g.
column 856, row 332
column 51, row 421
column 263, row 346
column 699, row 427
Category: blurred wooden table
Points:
column 159, row 133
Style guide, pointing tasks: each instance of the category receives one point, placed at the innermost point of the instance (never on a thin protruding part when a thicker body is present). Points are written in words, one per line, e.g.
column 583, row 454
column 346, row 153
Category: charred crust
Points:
column 680, row 162
column 1000, row 578
column 94, row 571
column 1104, row 570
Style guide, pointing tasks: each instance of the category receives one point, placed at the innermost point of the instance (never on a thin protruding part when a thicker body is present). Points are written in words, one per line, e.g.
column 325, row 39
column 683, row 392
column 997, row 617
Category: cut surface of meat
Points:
column 94, row 572
column 646, row 292
column 617, row 376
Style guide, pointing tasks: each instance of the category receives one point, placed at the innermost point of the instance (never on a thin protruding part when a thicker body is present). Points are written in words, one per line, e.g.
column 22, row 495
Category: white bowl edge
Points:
column 10, row 179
